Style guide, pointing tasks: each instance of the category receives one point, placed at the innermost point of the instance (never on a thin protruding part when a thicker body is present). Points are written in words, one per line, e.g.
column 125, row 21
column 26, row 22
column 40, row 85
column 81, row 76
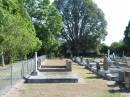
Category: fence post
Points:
column 22, row 68
column 11, row 75
column 27, row 67
column 31, row 66
column 34, row 73
column 3, row 63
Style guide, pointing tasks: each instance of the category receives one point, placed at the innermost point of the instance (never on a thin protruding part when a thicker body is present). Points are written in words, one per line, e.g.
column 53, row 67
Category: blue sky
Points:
column 117, row 14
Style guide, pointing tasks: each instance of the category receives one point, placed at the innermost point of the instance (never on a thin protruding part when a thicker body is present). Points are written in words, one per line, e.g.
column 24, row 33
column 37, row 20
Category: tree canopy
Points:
column 118, row 47
column 127, row 38
column 84, row 24
column 104, row 48
column 47, row 22
column 16, row 29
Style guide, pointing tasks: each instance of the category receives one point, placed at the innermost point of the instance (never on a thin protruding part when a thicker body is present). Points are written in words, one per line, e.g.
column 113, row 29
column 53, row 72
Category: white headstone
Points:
column 114, row 56
column 108, row 53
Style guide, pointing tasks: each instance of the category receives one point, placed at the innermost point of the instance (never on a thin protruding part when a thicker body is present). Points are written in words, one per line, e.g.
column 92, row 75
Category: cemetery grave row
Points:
column 112, row 68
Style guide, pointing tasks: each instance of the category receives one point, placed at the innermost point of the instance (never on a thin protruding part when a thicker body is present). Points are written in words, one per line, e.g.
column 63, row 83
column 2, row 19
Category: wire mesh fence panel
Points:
column 11, row 74
column 5, row 76
column 16, row 73
column 25, row 66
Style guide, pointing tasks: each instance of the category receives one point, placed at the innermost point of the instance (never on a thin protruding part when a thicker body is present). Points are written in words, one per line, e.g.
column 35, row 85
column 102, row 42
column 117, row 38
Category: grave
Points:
column 53, row 77
column 53, row 74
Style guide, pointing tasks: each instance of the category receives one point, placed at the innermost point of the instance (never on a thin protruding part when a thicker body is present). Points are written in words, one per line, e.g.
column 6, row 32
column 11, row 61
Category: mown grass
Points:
column 112, row 95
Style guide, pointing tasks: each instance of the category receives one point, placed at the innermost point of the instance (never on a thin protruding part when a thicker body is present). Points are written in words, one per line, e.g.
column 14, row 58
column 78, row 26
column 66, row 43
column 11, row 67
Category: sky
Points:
column 117, row 15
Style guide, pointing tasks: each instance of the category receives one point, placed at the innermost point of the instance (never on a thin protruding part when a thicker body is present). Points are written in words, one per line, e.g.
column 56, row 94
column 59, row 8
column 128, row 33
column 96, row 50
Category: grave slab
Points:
column 53, row 77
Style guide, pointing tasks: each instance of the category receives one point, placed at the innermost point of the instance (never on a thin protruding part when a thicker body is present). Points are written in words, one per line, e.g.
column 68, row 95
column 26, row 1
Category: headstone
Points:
column 127, row 77
column 87, row 61
column 124, row 59
column 68, row 65
column 78, row 60
column 81, row 60
column 121, row 76
column 105, row 63
column 114, row 56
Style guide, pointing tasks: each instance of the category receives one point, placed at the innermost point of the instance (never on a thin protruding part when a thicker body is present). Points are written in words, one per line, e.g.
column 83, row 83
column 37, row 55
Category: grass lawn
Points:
column 89, row 85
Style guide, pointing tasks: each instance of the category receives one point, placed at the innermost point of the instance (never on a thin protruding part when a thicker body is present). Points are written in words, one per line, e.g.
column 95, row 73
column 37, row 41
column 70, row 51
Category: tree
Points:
column 118, row 47
column 19, row 37
column 104, row 48
column 84, row 24
column 47, row 22
column 127, row 38
column 1, row 39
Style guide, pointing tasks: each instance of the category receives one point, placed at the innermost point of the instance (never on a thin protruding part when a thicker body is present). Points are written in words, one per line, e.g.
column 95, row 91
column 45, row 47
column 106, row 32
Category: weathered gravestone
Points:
column 68, row 65
column 81, row 60
column 127, row 78
column 105, row 63
column 121, row 76
column 124, row 77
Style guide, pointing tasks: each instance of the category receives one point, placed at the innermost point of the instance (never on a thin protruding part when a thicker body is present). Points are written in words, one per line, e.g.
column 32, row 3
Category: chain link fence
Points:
column 13, row 73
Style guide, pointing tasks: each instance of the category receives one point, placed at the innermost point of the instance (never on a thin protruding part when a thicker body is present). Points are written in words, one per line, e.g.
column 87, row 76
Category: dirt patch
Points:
column 54, row 62
column 16, row 90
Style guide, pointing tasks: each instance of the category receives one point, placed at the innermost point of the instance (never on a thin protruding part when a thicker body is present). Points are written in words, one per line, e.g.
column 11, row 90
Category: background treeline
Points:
column 47, row 22
column 17, row 34
column 119, row 48
column 67, row 27
column 61, row 28
column 27, row 26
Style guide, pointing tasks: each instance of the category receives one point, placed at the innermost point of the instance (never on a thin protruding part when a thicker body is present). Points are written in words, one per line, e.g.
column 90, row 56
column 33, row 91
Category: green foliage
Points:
column 47, row 22
column 115, row 45
column 103, row 48
column 127, row 38
column 112, row 95
column 84, row 24
column 118, row 47
column 1, row 38
column 16, row 29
